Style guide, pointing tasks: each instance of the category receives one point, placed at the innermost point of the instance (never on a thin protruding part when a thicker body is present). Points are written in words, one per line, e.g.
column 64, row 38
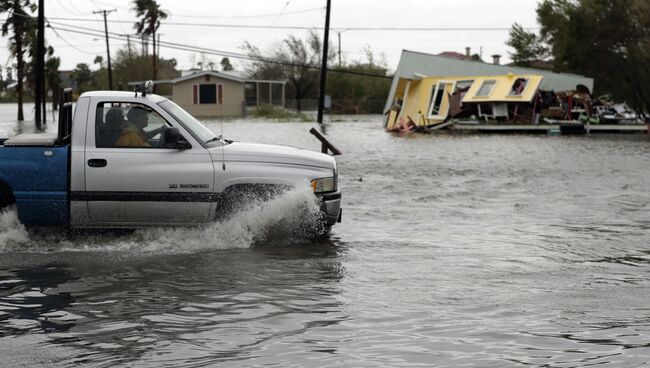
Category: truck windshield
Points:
column 198, row 130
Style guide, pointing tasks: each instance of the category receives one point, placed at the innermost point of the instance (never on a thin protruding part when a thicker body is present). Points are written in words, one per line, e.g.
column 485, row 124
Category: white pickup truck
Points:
column 127, row 160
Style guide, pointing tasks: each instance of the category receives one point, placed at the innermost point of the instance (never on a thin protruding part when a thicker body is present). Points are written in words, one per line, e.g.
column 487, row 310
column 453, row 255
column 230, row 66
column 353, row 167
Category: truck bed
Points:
column 38, row 177
column 31, row 140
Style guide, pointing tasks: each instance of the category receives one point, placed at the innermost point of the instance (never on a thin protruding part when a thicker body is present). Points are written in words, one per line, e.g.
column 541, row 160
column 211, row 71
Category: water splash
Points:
column 12, row 232
column 293, row 216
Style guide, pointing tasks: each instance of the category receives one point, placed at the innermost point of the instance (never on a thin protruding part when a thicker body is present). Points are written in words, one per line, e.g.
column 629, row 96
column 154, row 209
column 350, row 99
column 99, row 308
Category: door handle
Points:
column 97, row 162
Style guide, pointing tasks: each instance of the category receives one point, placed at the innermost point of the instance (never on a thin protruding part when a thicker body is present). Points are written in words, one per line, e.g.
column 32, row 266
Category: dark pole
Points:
column 40, row 66
column 339, row 33
column 108, row 49
column 44, row 104
column 154, row 53
column 323, row 69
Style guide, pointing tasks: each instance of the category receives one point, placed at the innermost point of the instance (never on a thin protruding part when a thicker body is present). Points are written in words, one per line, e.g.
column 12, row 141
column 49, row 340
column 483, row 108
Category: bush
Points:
column 278, row 113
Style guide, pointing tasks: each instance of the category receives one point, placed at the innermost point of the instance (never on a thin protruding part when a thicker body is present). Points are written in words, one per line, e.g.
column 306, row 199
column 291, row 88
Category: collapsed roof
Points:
column 417, row 65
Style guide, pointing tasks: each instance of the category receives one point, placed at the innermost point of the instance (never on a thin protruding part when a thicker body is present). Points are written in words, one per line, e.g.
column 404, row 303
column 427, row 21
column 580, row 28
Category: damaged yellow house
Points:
column 428, row 88
column 430, row 101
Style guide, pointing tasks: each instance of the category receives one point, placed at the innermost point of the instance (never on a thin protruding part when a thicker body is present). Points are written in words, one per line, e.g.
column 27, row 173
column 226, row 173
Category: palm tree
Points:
column 53, row 79
column 150, row 16
column 20, row 23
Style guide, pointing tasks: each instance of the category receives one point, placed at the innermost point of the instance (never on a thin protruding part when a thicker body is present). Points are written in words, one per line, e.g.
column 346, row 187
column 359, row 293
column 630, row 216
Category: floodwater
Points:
column 455, row 250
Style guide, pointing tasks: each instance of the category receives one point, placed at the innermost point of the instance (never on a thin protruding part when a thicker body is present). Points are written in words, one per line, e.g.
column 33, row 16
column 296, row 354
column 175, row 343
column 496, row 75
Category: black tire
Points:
column 241, row 197
column 6, row 196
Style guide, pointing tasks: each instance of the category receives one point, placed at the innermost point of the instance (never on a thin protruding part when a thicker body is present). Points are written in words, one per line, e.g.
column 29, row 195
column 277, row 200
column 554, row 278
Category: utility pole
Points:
column 40, row 67
column 108, row 49
column 323, row 69
column 339, row 33
column 158, row 42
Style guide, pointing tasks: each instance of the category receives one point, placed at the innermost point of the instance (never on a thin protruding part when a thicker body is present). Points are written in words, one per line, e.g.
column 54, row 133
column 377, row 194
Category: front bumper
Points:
column 330, row 207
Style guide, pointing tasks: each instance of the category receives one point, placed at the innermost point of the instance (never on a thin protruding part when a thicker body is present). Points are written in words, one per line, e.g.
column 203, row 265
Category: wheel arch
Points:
column 7, row 197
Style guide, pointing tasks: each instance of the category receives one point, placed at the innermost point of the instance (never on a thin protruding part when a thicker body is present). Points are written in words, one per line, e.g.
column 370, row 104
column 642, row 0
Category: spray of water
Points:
column 12, row 232
column 293, row 216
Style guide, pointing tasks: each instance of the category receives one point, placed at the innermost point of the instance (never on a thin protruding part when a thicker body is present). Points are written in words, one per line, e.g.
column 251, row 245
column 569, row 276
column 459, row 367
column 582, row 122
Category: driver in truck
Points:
column 133, row 134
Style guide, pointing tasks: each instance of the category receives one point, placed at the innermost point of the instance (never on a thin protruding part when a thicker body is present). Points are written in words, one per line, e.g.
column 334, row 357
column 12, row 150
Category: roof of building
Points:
column 235, row 76
column 455, row 55
column 415, row 65
column 211, row 73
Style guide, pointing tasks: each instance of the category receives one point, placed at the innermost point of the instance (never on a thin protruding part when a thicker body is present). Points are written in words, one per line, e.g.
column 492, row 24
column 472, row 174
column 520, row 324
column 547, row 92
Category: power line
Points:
column 189, row 48
column 66, row 41
column 65, row 8
column 95, row 2
column 250, row 26
column 246, row 16
column 275, row 20
column 195, row 24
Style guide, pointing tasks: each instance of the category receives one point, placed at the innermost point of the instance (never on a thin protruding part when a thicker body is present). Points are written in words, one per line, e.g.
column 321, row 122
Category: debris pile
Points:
column 436, row 102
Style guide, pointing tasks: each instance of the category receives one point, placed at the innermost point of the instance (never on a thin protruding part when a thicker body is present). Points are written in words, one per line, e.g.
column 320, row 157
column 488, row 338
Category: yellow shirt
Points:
column 131, row 137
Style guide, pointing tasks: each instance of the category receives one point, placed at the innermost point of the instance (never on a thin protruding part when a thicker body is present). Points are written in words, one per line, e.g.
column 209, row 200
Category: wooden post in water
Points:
column 325, row 144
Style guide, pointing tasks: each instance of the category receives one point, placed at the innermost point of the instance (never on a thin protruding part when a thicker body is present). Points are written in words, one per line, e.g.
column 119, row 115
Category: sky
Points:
column 203, row 23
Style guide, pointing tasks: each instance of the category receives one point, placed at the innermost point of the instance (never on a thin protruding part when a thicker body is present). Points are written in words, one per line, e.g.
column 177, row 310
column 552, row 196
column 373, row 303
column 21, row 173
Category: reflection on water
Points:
column 203, row 308
column 25, row 304
column 455, row 250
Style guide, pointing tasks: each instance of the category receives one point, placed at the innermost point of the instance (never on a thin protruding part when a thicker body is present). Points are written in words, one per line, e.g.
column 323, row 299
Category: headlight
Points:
column 323, row 185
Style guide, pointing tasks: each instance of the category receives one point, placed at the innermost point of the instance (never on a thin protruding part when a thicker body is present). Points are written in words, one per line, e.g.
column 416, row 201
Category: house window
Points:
column 486, row 88
column 462, row 87
column 207, row 94
column 437, row 97
column 518, row 87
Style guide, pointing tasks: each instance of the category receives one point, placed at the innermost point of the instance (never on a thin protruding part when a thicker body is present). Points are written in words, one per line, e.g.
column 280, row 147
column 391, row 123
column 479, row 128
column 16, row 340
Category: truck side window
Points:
column 127, row 125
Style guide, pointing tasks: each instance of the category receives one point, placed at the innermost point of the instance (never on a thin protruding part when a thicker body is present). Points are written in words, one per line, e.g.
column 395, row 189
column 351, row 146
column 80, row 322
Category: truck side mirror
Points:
column 172, row 138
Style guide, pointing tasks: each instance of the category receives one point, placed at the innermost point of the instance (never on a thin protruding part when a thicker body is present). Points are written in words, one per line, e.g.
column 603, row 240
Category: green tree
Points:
column 150, row 16
column 30, row 74
column 605, row 39
column 100, row 76
column 527, row 45
column 359, row 91
column 130, row 67
column 18, row 25
column 81, row 75
column 294, row 60
column 99, row 60
column 53, row 79
column 225, row 64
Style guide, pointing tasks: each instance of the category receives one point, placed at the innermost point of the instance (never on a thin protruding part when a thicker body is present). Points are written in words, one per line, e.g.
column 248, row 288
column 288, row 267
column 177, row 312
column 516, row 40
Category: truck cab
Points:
column 128, row 159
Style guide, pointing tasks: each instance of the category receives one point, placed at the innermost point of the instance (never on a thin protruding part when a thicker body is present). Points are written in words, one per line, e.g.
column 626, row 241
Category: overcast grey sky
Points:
column 77, row 48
